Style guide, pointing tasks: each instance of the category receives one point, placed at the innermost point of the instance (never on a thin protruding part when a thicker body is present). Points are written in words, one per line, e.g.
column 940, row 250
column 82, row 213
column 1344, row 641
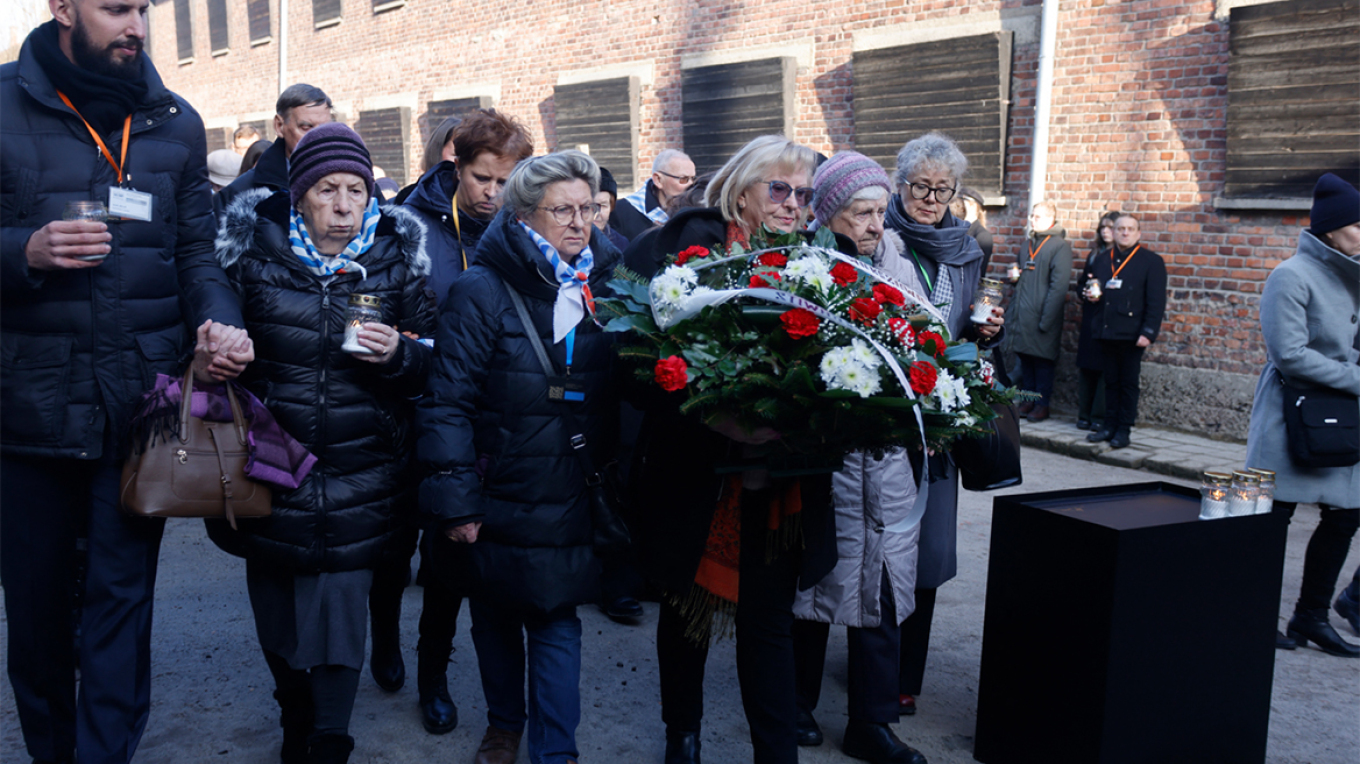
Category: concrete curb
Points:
column 1165, row 452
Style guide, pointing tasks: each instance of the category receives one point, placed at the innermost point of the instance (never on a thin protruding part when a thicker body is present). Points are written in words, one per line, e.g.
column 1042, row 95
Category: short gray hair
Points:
column 750, row 164
column 932, row 151
column 530, row 178
column 301, row 94
column 665, row 157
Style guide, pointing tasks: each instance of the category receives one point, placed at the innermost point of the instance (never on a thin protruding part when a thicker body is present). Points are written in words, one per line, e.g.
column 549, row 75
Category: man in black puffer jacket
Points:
column 81, row 340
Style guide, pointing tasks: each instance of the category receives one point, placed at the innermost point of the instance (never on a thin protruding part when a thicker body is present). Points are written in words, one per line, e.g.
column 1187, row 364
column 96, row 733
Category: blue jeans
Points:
column 554, row 661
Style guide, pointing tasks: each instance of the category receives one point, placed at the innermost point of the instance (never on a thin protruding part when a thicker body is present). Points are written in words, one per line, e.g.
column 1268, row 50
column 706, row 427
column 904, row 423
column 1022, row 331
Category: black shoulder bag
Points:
column 1322, row 425
column 602, row 485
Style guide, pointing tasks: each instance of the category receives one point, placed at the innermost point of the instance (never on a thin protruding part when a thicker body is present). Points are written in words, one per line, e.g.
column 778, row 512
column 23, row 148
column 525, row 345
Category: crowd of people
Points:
column 471, row 420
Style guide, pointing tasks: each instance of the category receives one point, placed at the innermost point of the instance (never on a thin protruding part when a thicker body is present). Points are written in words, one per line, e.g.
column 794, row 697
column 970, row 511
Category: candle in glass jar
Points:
column 988, row 296
column 1013, row 273
column 1213, row 493
column 1093, row 289
column 1265, row 499
column 1246, row 487
column 362, row 309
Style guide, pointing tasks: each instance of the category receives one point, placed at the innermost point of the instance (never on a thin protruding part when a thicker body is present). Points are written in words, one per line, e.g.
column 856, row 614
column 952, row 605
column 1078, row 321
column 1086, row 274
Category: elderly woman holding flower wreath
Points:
column 949, row 262
column 733, row 545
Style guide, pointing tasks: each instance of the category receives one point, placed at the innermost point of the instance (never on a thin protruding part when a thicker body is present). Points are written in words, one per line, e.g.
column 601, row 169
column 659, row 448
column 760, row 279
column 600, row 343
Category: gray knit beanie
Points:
column 840, row 178
column 328, row 148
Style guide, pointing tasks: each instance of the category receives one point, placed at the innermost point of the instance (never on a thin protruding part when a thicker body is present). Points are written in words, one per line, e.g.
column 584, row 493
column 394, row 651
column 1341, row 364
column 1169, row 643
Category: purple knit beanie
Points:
column 328, row 148
column 840, row 178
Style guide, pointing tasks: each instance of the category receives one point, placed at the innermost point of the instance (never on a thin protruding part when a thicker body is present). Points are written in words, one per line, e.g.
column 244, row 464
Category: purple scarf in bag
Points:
column 276, row 458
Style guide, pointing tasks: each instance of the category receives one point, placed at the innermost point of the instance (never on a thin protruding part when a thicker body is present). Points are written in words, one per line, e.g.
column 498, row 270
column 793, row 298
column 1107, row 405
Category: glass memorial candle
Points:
column 1213, row 492
column 988, row 296
column 1246, row 487
column 363, row 308
column 1093, row 289
column 1266, row 497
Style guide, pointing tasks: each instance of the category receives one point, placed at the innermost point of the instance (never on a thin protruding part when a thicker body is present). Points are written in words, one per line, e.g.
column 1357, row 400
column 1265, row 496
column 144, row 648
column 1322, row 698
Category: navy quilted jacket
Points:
column 79, row 347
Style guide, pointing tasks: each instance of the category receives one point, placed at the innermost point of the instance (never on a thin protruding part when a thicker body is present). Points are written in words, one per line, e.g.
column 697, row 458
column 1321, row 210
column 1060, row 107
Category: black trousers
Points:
column 874, row 658
column 1123, row 361
column 765, row 656
column 1090, row 394
column 1325, row 555
column 916, row 643
column 45, row 505
column 438, row 612
column 1036, row 375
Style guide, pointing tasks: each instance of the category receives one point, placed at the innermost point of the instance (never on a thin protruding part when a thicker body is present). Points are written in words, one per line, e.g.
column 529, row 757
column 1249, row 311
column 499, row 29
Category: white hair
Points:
column 665, row 157
column 932, row 151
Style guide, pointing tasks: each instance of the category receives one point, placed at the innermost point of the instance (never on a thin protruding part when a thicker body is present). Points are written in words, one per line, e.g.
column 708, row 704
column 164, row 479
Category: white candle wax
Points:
column 1212, row 509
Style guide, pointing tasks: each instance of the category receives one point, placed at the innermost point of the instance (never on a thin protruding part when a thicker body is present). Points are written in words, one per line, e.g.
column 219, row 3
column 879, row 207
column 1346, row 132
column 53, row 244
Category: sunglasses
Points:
column 685, row 180
column 779, row 191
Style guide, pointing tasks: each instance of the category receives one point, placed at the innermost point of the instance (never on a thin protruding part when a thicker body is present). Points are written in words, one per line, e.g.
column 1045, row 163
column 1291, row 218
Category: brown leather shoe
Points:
column 1038, row 414
column 498, row 747
column 1024, row 408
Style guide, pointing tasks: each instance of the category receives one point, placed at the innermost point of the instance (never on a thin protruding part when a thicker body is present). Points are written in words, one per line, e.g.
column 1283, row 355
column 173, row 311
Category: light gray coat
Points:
column 871, row 496
column 1310, row 320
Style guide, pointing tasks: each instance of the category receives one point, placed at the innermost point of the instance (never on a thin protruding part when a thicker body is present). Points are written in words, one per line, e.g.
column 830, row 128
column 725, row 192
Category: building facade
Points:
column 1207, row 119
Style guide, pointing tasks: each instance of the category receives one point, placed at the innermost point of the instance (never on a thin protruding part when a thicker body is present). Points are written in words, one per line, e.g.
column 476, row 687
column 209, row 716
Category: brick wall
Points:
column 1138, row 121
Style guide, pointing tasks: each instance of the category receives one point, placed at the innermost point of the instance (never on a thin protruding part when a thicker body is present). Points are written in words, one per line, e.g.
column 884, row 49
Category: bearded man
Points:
column 92, row 311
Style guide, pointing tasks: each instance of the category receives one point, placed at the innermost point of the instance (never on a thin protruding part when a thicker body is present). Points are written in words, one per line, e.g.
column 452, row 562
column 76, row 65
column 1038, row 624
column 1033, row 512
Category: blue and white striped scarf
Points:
column 569, row 308
column 329, row 265
column 638, row 200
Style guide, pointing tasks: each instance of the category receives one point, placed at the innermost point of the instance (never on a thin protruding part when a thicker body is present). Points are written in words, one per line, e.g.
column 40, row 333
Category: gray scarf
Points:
column 948, row 245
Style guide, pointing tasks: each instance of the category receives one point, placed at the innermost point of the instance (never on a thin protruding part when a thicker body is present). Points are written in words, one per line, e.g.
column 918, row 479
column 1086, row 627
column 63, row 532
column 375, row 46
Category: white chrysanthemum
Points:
column 967, row 420
column 843, row 369
column 673, row 286
column 860, row 379
column 833, row 362
column 950, row 393
column 862, row 352
column 811, row 271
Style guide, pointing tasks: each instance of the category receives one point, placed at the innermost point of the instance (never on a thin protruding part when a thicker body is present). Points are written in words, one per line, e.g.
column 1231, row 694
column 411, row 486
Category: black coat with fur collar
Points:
column 354, row 416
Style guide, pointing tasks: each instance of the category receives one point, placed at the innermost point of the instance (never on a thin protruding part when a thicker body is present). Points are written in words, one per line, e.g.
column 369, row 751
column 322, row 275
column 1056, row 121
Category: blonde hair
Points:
column 750, row 165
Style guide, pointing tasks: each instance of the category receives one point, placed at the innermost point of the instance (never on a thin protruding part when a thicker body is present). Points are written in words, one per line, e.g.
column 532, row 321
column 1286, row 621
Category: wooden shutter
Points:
column 437, row 111
column 184, row 33
column 1293, row 97
column 259, row 20
column 265, row 127
column 217, row 25
column 602, row 115
column 726, row 105
column 219, row 138
column 384, row 131
column 324, row 12
column 959, row 87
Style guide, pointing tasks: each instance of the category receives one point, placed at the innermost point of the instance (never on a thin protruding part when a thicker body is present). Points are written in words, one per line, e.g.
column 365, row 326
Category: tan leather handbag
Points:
column 199, row 472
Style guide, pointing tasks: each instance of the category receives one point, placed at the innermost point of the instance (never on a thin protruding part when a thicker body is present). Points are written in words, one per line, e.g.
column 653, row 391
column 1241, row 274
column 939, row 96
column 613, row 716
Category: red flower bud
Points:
column 923, row 377
column 672, row 373
column 885, row 293
column 865, row 311
column 688, row 253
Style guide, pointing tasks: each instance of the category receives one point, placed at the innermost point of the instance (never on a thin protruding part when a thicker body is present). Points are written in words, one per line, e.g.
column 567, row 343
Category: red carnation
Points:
column 923, row 376
column 764, row 280
column 773, row 259
column 888, row 294
column 865, row 311
column 672, row 373
column 844, row 274
column 929, row 336
column 901, row 328
column 690, row 252
column 800, row 323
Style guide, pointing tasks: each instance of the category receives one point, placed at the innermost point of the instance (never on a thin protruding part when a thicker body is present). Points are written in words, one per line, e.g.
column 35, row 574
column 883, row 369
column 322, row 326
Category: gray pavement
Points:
column 211, row 690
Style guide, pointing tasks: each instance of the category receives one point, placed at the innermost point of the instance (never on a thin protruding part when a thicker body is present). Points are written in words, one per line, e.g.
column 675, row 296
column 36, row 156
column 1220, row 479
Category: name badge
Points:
column 1030, row 266
column 129, row 204
column 1114, row 283
column 564, row 390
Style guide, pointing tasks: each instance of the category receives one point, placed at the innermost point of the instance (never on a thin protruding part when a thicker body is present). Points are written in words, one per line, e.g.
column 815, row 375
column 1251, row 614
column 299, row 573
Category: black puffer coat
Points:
column 354, row 416
column 79, row 347
column 487, row 399
column 432, row 199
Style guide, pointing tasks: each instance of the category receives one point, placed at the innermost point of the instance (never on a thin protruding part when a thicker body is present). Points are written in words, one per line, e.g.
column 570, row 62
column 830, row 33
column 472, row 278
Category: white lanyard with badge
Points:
column 124, row 202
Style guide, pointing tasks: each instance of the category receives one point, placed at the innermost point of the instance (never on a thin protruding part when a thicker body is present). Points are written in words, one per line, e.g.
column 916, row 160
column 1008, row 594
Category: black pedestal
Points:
column 1121, row 628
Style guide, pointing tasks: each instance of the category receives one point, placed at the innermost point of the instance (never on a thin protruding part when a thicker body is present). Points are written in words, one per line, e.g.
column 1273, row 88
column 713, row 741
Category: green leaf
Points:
column 839, row 394
column 635, row 352
column 824, row 238
column 700, row 400
column 698, row 356
column 799, row 379
column 890, row 402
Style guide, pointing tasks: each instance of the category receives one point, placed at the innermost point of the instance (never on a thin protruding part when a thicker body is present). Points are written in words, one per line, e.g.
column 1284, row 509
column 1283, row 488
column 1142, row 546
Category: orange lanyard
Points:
column 1033, row 251
column 1115, row 275
column 127, row 130
column 458, row 229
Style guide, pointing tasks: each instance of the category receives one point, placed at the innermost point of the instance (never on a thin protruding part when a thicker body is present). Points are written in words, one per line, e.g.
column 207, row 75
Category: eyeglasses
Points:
column 923, row 191
column 566, row 213
column 685, row 180
column 779, row 191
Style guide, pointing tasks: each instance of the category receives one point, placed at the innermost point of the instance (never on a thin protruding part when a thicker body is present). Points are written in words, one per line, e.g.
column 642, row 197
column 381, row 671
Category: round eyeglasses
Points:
column 566, row 213
column 923, row 191
column 779, row 191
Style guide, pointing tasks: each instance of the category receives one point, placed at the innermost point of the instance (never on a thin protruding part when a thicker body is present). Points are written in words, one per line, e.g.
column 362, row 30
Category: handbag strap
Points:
column 577, row 441
column 227, row 495
column 186, row 388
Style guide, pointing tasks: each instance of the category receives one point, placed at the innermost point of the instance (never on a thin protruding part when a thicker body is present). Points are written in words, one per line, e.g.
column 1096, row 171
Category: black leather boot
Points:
column 295, row 716
column 384, row 610
column 877, row 743
column 331, row 749
column 1313, row 626
column 437, row 710
column 682, row 748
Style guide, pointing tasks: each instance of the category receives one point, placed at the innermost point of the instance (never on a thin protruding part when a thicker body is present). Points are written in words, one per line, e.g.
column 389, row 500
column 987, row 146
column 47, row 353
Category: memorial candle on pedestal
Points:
column 1213, row 491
